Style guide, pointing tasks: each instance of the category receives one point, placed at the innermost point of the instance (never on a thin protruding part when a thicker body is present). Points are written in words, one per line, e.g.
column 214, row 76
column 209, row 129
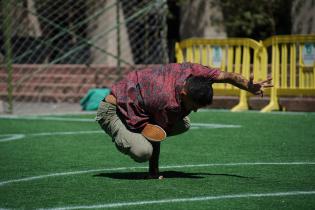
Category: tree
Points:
column 257, row 19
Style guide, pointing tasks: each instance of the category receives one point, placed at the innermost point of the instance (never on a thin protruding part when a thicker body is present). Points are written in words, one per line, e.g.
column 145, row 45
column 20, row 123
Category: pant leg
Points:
column 181, row 126
column 133, row 144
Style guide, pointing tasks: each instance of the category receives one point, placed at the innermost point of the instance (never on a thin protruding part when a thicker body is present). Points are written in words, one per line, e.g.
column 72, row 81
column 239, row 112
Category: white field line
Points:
column 11, row 137
column 212, row 126
column 2, row 183
column 60, row 115
column 14, row 137
column 15, row 117
column 191, row 199
column 193, row 125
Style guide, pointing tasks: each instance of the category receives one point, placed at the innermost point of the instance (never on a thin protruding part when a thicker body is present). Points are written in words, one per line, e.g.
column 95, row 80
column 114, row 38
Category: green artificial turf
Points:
column 268, row 162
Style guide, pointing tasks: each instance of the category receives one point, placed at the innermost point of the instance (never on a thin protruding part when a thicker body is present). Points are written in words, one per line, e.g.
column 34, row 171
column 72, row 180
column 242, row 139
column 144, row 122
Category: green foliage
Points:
column 257, row 19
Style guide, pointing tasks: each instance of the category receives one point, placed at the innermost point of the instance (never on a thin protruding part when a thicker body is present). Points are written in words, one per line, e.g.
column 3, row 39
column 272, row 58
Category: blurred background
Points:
column 59, row 53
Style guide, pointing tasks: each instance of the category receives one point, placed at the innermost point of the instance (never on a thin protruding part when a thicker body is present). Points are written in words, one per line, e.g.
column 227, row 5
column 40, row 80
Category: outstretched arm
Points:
column 154, row 162
column 256, row 88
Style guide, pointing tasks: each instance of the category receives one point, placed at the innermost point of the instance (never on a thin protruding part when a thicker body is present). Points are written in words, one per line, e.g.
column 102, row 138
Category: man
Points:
column 153, row 103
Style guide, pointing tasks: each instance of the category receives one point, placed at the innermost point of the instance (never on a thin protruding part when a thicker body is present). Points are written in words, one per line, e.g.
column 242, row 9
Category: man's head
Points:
column 197, row 93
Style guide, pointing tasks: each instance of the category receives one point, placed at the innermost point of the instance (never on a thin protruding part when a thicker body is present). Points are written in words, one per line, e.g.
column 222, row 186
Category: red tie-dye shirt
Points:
column 153, row 94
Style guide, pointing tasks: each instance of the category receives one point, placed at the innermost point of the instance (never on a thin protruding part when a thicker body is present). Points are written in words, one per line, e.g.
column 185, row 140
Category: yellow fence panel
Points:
column 239, row 55
column 292, row 67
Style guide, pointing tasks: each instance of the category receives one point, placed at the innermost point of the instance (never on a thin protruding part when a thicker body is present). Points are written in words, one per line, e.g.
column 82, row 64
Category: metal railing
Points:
column 120, row 33
column 239, row 55
column 289, row 59
column 292, row 67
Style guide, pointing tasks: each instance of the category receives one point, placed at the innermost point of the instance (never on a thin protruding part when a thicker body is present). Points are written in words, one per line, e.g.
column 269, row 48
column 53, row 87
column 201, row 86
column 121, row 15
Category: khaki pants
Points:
column 133, row 144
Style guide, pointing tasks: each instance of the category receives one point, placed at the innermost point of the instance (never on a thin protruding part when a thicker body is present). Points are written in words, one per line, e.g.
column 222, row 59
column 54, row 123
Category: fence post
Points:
column 243, row 103
column 274, row 101
column 164, row 32
column 118, row 37
column 179, row 53
column 7, row 27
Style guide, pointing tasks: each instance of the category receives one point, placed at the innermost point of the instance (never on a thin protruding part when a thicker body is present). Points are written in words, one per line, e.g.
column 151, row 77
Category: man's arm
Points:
column 154, row 162
column 241, row 82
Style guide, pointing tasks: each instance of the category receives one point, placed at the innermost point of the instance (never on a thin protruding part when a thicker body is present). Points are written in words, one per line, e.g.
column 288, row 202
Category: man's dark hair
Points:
column 199, row 89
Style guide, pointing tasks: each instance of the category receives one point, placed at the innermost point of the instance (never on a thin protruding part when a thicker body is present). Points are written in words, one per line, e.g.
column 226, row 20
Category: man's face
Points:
column 189, row 104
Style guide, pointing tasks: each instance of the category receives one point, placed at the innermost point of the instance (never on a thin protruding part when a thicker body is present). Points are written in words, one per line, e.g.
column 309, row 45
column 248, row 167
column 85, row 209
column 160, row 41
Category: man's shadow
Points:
column 166, row 174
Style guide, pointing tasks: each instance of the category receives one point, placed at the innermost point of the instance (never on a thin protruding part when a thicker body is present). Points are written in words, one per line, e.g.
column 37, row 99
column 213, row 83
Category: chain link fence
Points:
column 42, row 37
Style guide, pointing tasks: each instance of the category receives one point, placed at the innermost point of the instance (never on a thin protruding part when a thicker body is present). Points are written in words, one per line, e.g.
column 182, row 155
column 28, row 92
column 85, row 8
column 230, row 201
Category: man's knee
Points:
column 141, row 153
column 133, row 144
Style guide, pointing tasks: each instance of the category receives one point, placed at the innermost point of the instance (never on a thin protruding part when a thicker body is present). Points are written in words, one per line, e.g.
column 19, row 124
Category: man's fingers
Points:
column 267, row 85
column 251, row 78
column 262, row 91
column 266, row 81
column 154, row 177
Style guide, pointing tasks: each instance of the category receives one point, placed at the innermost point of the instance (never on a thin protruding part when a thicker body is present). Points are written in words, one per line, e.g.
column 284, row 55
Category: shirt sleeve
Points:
column 200, row 70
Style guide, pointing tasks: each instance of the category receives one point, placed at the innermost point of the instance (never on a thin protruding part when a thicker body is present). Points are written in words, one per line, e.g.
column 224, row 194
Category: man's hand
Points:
column 257, row 88
column 150, row 176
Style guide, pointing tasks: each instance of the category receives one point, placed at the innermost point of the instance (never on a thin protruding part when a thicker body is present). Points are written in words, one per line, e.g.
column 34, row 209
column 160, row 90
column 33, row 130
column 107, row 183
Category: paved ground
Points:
column 304, row 104
column 27, row 108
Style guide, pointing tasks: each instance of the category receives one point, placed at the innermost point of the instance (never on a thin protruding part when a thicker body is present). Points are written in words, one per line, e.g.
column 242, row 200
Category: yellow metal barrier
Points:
column 239, row 55
column 292, row 67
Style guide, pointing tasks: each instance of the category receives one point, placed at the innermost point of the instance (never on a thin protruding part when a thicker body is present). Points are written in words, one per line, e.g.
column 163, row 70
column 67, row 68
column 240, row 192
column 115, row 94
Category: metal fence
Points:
column 238, row 55
column 88, row 32
column 292, row 66
column 290, row 59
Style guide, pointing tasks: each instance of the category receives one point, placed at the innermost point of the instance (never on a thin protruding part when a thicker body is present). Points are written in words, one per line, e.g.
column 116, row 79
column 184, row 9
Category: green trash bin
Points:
column 93, row 97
